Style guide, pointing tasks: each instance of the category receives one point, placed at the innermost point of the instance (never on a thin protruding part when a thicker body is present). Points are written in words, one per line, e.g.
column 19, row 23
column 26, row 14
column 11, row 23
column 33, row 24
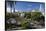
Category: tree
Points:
column 36, row 15
column 27, row 15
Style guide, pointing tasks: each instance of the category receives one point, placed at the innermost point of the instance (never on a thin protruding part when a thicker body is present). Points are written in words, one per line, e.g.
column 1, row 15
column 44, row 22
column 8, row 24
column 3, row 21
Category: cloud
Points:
column 8, row 9
column 16, row 10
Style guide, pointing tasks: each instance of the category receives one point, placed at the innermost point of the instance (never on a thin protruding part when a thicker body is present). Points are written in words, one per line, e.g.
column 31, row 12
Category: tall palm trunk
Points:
column 14, row 7
column 10, row 6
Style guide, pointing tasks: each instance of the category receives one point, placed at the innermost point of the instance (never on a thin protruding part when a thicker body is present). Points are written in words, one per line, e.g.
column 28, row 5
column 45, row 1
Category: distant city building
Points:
column 22, row 15
column 41, row 9
column 33, row 10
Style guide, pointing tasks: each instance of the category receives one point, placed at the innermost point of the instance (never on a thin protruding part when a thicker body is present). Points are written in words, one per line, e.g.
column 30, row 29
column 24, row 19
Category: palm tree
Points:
column 14, row 7
column 11, row 6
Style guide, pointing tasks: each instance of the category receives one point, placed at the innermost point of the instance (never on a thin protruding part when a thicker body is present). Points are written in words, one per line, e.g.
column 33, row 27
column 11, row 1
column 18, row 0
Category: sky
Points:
column 27, row 6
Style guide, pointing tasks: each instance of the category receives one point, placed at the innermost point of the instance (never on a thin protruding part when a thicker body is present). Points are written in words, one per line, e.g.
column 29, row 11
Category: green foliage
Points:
column 11, row 15
column 24, row 24
column 27, row 15
column 36, row 15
